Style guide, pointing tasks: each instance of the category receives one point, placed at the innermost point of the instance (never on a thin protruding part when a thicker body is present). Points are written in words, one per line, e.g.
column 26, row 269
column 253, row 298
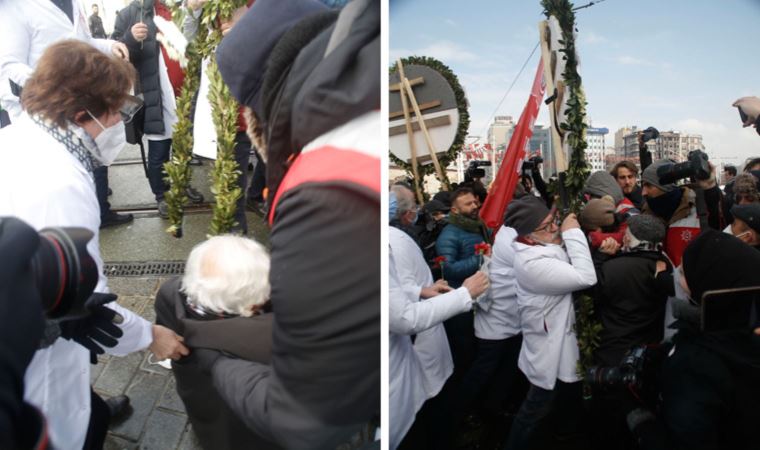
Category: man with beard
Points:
column 626, row 174
column 457, row 244
column 677, row 206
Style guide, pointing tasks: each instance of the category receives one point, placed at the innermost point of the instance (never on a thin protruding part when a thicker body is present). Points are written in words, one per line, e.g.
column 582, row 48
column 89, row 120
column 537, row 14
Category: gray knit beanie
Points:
column 525, row 214
column 645, row 227
column 598, row 212
column 650, row 175
column 601, row 183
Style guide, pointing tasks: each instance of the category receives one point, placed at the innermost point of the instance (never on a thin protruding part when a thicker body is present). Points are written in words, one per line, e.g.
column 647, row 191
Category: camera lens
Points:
column 64, row 271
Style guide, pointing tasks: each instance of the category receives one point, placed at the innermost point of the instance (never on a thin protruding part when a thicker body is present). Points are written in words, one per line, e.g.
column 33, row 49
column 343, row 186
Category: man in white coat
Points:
column 418, row 370
column 551, row 262
column 71, row 123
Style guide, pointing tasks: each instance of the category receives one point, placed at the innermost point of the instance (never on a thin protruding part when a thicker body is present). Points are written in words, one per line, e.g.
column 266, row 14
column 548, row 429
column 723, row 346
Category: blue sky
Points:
column 676, row 64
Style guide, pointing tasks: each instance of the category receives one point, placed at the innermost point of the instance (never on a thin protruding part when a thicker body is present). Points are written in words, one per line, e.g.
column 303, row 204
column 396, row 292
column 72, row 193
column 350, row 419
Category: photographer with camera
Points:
column 677, row 205
column 629, row 301
column 531, row 178
column 74, row 103
column 710, row 388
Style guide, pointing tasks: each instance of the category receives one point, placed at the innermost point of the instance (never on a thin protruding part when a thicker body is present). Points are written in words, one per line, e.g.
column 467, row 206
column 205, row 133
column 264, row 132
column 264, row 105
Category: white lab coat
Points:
column 417, row 372
column 27, row 28
column 500, row 320
column 546, row 278
column 44, row 185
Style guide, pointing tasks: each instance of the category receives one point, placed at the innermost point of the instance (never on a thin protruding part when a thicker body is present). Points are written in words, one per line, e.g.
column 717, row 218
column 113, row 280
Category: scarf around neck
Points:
column 475, row 226
column 71, row 142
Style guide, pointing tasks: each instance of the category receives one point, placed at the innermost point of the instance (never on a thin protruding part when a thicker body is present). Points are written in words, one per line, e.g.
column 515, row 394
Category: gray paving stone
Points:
column 145, row 239
column 115, row 377
column 189, row 440
column 130, row 152
column 163, row 431
column 123, row 286
column 143, row 392
column 131, row 189
column 170, row 400
column 146, row 366
column 117, row 443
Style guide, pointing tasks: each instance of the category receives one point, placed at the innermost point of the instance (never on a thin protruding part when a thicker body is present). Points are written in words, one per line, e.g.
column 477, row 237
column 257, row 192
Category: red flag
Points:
column 503, row 186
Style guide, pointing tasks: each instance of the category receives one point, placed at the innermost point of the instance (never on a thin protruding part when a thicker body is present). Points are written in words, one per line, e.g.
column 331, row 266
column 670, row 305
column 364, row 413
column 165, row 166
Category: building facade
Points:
column 500, row 131
column 595, row 150
column 670, row 145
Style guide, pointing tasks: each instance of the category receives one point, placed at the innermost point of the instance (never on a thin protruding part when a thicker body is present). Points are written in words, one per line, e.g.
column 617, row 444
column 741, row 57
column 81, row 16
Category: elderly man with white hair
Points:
column 220, row 303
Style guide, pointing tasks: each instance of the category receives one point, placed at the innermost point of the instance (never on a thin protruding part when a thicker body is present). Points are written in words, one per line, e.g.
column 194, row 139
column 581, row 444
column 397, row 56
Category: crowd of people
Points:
column 258, row 358
column 464, row 354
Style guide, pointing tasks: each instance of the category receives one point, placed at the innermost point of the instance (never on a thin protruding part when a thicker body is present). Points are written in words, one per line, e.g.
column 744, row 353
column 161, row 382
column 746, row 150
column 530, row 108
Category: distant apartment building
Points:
column 595, row 148
column 619, row 138
column 541, row 144
column 670, row 145
column 500, row 131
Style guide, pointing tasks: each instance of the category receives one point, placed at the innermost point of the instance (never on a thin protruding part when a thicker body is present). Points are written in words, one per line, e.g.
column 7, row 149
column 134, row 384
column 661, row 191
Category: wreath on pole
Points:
column 587, row 328
column 464, row 117
column 224, row 112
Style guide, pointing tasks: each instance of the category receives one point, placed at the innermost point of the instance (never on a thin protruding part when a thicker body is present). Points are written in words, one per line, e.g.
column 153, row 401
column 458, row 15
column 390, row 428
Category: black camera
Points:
column 628, row 373
column 637, row 373
column 695, row 167
column 531, row 164
column 474, row 170
column 63, row 271
column 649, row 134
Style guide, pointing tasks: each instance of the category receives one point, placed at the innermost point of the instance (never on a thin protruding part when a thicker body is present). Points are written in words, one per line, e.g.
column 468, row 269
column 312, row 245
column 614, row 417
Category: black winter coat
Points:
column 630, row 303
column 144, row 56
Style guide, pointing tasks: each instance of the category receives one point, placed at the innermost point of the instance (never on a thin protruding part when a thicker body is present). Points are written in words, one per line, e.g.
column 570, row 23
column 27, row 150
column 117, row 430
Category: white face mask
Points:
column 728, row 230
column 109, row 142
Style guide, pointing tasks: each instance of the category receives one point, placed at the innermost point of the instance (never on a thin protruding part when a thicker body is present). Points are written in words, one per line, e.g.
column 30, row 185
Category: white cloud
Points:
column 451, row 22
column 725, row 141
column 632, row 61
column 590, row 38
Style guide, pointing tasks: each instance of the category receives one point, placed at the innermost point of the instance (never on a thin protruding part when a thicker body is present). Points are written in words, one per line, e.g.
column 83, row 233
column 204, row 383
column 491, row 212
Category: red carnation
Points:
column 482, row 249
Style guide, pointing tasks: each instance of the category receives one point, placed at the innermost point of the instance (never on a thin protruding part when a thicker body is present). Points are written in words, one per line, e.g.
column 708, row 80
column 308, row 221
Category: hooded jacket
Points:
column 324, row 74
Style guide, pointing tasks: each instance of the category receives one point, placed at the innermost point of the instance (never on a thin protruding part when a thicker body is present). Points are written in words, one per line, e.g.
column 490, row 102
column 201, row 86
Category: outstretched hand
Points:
column 167, row 344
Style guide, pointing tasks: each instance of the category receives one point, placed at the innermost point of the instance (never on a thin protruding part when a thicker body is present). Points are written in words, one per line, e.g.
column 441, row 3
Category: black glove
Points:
column 97, row 330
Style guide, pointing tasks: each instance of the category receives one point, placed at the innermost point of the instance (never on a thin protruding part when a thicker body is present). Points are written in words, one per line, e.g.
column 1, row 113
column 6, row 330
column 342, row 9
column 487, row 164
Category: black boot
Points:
column 118, row 407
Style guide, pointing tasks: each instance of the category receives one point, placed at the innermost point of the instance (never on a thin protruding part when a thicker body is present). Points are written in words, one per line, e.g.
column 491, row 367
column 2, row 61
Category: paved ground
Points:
column 158, row 421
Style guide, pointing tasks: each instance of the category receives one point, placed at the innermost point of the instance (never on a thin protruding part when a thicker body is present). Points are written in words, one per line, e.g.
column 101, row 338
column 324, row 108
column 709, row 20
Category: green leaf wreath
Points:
column 224, row 112
column 587, row 328
column 464, row 118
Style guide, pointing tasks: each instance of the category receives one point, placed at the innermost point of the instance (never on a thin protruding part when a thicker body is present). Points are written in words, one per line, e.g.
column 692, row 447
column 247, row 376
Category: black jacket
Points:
column 324, row 380
column 629, row 302
column 249, row 338
column 144, row 56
